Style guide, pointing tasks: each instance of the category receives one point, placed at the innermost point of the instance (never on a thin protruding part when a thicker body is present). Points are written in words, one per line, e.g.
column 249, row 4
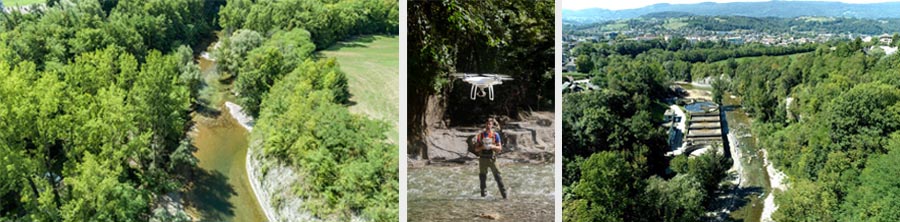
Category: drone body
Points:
column 480, row 82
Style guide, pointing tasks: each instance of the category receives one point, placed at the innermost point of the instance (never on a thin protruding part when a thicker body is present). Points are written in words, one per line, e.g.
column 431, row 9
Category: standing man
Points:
column 487, row 145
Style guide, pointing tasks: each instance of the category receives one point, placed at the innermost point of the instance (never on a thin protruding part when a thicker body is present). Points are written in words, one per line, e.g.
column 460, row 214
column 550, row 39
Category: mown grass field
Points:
column 615, row 27
column 372, row 65
column 675, row 23
column 8, row 3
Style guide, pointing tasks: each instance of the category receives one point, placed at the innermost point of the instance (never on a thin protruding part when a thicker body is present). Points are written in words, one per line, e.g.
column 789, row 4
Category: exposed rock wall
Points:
column 272, row 180
column 528, row 140
column 273, row 187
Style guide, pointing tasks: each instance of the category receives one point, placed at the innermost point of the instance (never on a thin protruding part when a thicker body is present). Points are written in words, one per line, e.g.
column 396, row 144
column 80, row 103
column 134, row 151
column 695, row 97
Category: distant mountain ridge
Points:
column 784, row 9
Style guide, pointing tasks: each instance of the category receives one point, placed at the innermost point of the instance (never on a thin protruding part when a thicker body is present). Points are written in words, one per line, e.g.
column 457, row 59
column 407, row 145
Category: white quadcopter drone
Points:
column 482, row 82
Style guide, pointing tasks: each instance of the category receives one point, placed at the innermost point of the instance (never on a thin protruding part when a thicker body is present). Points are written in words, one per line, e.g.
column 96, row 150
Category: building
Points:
column 704, row 132
column 612, row 35
column 579, row 85
column 570, row 67
column 886, row 39
column 737, row 40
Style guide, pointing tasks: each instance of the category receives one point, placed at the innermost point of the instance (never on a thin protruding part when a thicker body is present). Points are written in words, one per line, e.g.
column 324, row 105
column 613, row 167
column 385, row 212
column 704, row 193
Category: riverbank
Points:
column 754, row 195
column 272, row 182
column 220, row 189
column 237, row 112
column 734, row 186
column 777, row 182
column 736, row 166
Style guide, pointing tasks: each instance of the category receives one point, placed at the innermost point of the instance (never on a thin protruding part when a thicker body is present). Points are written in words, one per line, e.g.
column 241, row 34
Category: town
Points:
column 697, row 29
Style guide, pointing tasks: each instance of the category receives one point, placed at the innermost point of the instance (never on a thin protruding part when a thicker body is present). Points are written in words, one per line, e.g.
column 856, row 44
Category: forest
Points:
column 514, row 38
column 95, row 103
column 96, row 100
column 676, row 56
column 613, row 166
column 829, row 115
column 838, row 138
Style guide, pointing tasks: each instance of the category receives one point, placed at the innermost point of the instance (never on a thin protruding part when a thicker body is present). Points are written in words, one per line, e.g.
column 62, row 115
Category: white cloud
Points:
column 626, row 4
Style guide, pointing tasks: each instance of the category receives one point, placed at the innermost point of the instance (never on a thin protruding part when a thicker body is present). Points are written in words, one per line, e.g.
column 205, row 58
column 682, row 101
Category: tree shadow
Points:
column 742, row 196
column 206, row 110
column 723, row 123
column 735, row 199
column 354, row 42
column 729, row 108
column 350, row 100
column 209, row 194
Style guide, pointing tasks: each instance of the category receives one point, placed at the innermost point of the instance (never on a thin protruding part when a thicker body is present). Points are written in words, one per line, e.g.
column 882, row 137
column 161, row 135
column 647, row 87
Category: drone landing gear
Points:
column 491, row 90
column 479, row 92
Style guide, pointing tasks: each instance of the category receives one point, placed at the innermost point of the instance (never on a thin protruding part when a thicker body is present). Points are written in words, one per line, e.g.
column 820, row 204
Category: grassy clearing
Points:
column 615, row 27
column 8, row 3
column 372, row 64
column 658, row 110
column 816, row 19
column 675, row 24
column 577, row 75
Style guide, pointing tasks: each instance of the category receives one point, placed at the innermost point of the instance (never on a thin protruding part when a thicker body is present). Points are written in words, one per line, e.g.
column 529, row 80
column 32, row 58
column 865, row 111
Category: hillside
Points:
column 686, row 22
column 784, row 9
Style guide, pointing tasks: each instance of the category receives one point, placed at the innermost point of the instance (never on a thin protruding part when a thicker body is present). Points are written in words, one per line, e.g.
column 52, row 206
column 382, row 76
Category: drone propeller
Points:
column 499, row 76
column 467, row 75
column 464, row 75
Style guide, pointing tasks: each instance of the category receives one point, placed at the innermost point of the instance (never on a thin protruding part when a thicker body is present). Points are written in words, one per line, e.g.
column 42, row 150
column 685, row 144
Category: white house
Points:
column 570, row 67
column 886, row 39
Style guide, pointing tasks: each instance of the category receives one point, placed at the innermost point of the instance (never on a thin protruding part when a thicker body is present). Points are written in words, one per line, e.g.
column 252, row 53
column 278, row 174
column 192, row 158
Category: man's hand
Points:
column 496, row 148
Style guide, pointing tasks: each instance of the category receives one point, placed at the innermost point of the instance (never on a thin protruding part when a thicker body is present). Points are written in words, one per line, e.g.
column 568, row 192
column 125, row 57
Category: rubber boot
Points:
column 483, row 179
column 500, row 185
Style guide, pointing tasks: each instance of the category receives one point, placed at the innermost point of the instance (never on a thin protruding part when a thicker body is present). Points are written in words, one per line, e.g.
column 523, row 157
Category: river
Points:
column 745, row 201
column 754, row 180
column 221, row 189
column 451, row 193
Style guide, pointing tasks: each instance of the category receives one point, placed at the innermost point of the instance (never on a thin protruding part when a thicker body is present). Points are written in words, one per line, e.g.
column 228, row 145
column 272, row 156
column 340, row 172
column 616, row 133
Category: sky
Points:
column 630, row 4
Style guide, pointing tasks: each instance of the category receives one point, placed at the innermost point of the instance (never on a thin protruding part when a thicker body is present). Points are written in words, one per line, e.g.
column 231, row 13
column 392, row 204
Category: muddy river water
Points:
column 221, row 190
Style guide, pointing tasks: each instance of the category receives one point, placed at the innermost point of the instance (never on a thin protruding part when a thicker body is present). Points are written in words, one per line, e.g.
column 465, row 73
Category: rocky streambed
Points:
column 445, row 187
column 529, row 140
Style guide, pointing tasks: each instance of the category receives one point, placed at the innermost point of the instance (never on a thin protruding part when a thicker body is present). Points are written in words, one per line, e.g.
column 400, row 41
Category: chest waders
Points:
column 487, row 160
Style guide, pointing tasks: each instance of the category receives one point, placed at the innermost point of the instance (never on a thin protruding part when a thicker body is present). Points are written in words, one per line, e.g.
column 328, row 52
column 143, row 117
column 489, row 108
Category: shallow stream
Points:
column 221, row 189
column 451, row 193
column 754, row 180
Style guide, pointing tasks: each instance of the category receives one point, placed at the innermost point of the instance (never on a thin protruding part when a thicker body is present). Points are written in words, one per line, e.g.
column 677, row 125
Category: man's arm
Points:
column 478, row 145
column 498, row 145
